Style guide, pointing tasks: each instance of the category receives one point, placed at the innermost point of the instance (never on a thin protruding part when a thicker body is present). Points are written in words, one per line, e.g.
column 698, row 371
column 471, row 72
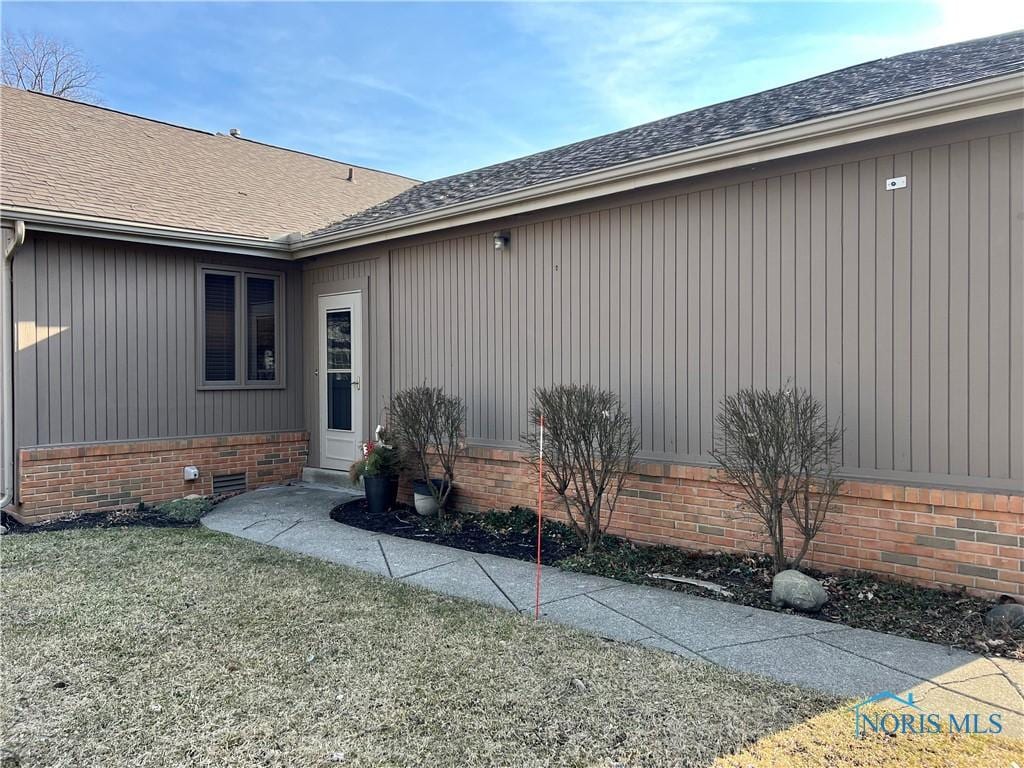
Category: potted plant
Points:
column 379, row 469
column 428, row 427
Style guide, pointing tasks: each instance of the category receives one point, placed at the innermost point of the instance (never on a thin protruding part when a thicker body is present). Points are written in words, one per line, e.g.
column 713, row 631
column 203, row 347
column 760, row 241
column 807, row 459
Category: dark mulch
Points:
column 508, row 534
column 866, row 601
column 182, row 513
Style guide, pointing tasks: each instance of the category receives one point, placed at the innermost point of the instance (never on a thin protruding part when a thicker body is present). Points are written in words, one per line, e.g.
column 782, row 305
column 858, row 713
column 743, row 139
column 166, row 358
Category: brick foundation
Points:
column 928, row 536
column 81, row 478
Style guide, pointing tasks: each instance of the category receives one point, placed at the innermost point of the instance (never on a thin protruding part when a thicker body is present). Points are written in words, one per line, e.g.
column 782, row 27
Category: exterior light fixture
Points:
column 501, row 240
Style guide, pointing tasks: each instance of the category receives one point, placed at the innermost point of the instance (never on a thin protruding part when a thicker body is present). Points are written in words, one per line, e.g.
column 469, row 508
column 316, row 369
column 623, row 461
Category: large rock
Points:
column 1007, row 615
column 798, row 590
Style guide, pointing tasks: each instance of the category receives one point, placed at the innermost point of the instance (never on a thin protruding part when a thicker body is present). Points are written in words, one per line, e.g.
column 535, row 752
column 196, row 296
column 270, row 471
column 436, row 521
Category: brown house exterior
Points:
column 860, row 234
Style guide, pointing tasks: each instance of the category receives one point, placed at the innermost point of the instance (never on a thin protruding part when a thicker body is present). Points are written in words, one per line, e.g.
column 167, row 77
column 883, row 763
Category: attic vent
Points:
column 228, row 483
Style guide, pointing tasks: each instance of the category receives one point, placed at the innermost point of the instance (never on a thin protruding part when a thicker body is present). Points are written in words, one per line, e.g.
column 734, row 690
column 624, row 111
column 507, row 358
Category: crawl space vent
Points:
column 228, row 483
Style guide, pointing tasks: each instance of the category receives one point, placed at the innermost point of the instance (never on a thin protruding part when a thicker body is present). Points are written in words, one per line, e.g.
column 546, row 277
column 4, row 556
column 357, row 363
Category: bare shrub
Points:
column 427, row 423
column 779, row 448
column 589, row 448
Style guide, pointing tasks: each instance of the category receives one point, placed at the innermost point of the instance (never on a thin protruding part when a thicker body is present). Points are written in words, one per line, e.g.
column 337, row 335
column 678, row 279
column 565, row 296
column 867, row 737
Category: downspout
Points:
column 7, row 361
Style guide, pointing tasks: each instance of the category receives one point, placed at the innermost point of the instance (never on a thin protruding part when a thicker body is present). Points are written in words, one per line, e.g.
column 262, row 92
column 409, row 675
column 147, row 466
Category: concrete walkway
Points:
column 793, row 649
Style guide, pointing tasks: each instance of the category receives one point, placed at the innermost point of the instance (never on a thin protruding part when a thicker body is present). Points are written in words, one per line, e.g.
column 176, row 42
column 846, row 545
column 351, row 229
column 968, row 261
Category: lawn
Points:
column 161, row 647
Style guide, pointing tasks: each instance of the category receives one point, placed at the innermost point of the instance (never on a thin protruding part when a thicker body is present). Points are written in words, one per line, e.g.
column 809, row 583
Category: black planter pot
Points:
column 381, row 492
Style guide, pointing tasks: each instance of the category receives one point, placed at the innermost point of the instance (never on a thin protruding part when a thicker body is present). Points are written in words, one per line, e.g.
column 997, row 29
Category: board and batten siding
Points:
column 901, row 311
column 106, row 346
column 368, row 273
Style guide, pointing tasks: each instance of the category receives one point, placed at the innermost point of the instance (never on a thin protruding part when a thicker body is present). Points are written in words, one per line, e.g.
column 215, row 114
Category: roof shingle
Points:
column 856, row 87
column 67, row 157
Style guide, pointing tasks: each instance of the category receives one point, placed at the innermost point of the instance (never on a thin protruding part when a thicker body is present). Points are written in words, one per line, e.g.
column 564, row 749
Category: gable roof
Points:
column 844, row 90
column 63, row 156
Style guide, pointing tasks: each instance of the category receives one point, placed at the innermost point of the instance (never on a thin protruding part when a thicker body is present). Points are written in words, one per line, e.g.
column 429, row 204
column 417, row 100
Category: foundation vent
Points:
column 228, row 483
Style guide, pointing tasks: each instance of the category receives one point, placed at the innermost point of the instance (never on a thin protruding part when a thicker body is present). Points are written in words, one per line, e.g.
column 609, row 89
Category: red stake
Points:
column 540, row 515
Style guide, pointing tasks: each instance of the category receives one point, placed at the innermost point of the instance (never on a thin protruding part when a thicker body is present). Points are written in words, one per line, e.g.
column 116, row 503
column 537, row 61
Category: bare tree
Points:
column 589, row 448
column 780, row 450
column 429, row 426
column 48, row 65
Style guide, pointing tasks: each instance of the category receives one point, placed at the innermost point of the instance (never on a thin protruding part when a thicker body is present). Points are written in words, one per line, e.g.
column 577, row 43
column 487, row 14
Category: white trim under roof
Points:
column 965, row 102
column 116, row 229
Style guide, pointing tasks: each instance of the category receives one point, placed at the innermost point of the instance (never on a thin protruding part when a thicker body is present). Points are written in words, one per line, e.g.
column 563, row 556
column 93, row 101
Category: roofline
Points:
column 715, row 104
column 259, row 143
column 39, row 220
column 204, row 132
column 981, row 98
column 964, row 102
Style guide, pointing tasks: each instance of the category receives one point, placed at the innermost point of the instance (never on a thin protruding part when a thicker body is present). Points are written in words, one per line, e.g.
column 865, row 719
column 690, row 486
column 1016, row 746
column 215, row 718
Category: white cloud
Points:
column 631, row 59
column 640, row 62
column 967, row 19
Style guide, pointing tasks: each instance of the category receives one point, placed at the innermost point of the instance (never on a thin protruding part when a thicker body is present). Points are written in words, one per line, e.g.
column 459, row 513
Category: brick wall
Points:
column 929, row 536
column 79, row 478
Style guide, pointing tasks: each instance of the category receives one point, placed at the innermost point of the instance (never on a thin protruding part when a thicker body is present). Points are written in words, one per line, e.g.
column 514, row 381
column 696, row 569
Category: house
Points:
column 183, row 299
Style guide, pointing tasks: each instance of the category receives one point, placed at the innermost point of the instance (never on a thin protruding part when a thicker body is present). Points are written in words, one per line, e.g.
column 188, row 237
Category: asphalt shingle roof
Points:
column 67, row 157
column 844, row 90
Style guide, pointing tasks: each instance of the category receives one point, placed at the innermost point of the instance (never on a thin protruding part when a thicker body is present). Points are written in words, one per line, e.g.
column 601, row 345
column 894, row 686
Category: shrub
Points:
column 380, row 459
column 428, row 423
column 185, row 510
column 779, row 448
column 514, row 520
column 589, row 448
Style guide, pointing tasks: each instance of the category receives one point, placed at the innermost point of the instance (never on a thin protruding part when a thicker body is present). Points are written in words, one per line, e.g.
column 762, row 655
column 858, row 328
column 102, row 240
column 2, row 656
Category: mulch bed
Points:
column 169, row 515
column 865, row 601
column 508, row 534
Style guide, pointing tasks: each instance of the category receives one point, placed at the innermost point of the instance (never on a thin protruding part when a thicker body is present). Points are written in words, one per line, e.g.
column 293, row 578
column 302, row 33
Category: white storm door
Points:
column 340, row 377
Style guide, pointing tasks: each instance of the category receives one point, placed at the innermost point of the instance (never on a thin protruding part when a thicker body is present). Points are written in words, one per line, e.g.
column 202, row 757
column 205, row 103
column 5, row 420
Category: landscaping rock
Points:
column 3, row 530
column 1007, row 615
column 798, row 590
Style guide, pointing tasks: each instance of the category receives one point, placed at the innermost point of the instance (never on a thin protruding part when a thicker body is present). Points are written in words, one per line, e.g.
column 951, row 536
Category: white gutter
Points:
column 7, row 364
column 116, row 229
column 965, row 102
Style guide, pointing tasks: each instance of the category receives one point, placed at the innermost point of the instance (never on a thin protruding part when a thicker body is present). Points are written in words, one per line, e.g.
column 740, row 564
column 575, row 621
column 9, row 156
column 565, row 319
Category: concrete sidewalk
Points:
column 793, row 649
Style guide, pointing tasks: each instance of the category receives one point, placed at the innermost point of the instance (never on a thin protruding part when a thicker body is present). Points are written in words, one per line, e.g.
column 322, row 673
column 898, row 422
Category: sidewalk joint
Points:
column 423, row 570
column 385, row 556
column 497, row 586
column 650, row 629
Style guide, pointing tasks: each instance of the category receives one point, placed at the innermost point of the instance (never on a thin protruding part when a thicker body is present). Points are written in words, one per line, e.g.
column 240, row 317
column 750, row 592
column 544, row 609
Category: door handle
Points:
column 356, row 383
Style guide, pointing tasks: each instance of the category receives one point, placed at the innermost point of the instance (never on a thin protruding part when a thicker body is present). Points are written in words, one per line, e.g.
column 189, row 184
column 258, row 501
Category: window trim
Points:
column 241, row 380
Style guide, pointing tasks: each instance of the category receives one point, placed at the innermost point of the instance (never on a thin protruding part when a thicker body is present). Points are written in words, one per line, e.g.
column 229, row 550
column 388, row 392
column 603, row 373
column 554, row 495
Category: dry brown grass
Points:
column 176, row 647
column 828, row 740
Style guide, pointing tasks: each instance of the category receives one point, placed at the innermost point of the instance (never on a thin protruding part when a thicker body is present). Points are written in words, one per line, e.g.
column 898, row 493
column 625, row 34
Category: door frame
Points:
column 312, row 292
column 352, row 302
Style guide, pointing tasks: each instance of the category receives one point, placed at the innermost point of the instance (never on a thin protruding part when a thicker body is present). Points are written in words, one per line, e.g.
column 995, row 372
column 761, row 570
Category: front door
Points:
column 340, row 375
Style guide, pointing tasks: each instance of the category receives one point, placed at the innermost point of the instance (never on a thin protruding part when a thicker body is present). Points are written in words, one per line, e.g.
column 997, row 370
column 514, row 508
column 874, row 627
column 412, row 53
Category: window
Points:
column 241, row 318
column 261, row 328
column 221, row 291
column 339, row 369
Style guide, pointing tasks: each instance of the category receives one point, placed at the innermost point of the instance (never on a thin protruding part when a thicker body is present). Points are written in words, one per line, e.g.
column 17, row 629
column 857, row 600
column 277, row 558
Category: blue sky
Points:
column 430, row 89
